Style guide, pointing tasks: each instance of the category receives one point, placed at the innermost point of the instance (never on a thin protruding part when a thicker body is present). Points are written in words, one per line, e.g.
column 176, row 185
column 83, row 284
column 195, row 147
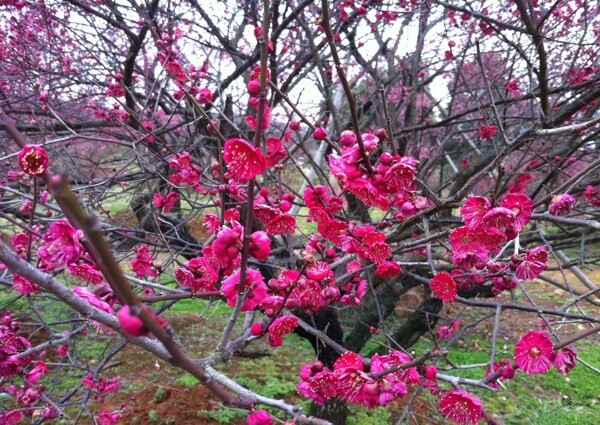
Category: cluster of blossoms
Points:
column 101, row 385
column 59, row 247
column 392, row 181
column 486, row 228
column 13, row 367
column 184, row 173
column 350, row 382
column 143, row 263
column 365, row 241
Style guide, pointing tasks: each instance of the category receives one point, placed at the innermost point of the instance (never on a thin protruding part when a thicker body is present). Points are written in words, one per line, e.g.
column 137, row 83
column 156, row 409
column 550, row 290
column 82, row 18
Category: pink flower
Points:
column 39, row 370
column 87, row 272
column 260, row 245
column 535, row 262
column 254, row 286
column 501, row 218
column 259, row 417
column 131, row 324
column 513, row 87
column 473, row 210
column 279, row 328
column 33, row 160
column 564, row 360
column 204, row 96
column 142, row 264
column 353, row 384
column 401, row 175
column 318, row 383
column 24, row 286
column 320, row 133
column 253, row 88
column 388, row 269
column 348, row 138
column 61, row 244
column 11, row 417
column 461, row 407
column 521, row 205
column 533, row 352
column 282, row 224
column 105, row 418
column 256, row 329
column 244, row 161
column 592, row 195
column 487, row 131
column 444, row 287
column 169, row 201
column 200, row 275
column 228, row 244
column 212, row 224
column 446, row 332
column 180, row 161
column 561, row 204
column 89, row 296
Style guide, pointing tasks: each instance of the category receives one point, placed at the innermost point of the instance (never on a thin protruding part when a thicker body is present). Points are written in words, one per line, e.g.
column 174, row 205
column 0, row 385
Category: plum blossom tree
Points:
column 334, row 154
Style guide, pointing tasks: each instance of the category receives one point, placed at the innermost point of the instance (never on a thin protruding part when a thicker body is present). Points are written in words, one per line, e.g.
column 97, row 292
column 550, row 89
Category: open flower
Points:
column 444, row 287
column 461, row 407
column 521, row 205
column 33, row 160
column 533, row 352
column 281, row 327
column 61, row 244
column 244, row 161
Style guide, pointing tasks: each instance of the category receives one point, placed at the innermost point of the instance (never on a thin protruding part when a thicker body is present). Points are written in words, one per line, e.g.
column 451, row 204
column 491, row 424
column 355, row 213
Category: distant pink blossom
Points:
column 487, row 131
column 561, row 204
column 388, row 269
column 142, row 264
column 106, row 418
column 592, row 195
column 39, row 369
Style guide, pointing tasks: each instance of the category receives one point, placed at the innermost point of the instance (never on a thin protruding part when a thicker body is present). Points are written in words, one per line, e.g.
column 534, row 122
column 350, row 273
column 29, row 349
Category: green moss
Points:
column 364, row 416
column 187, row 380
column 222, row 415
column 153, row 416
